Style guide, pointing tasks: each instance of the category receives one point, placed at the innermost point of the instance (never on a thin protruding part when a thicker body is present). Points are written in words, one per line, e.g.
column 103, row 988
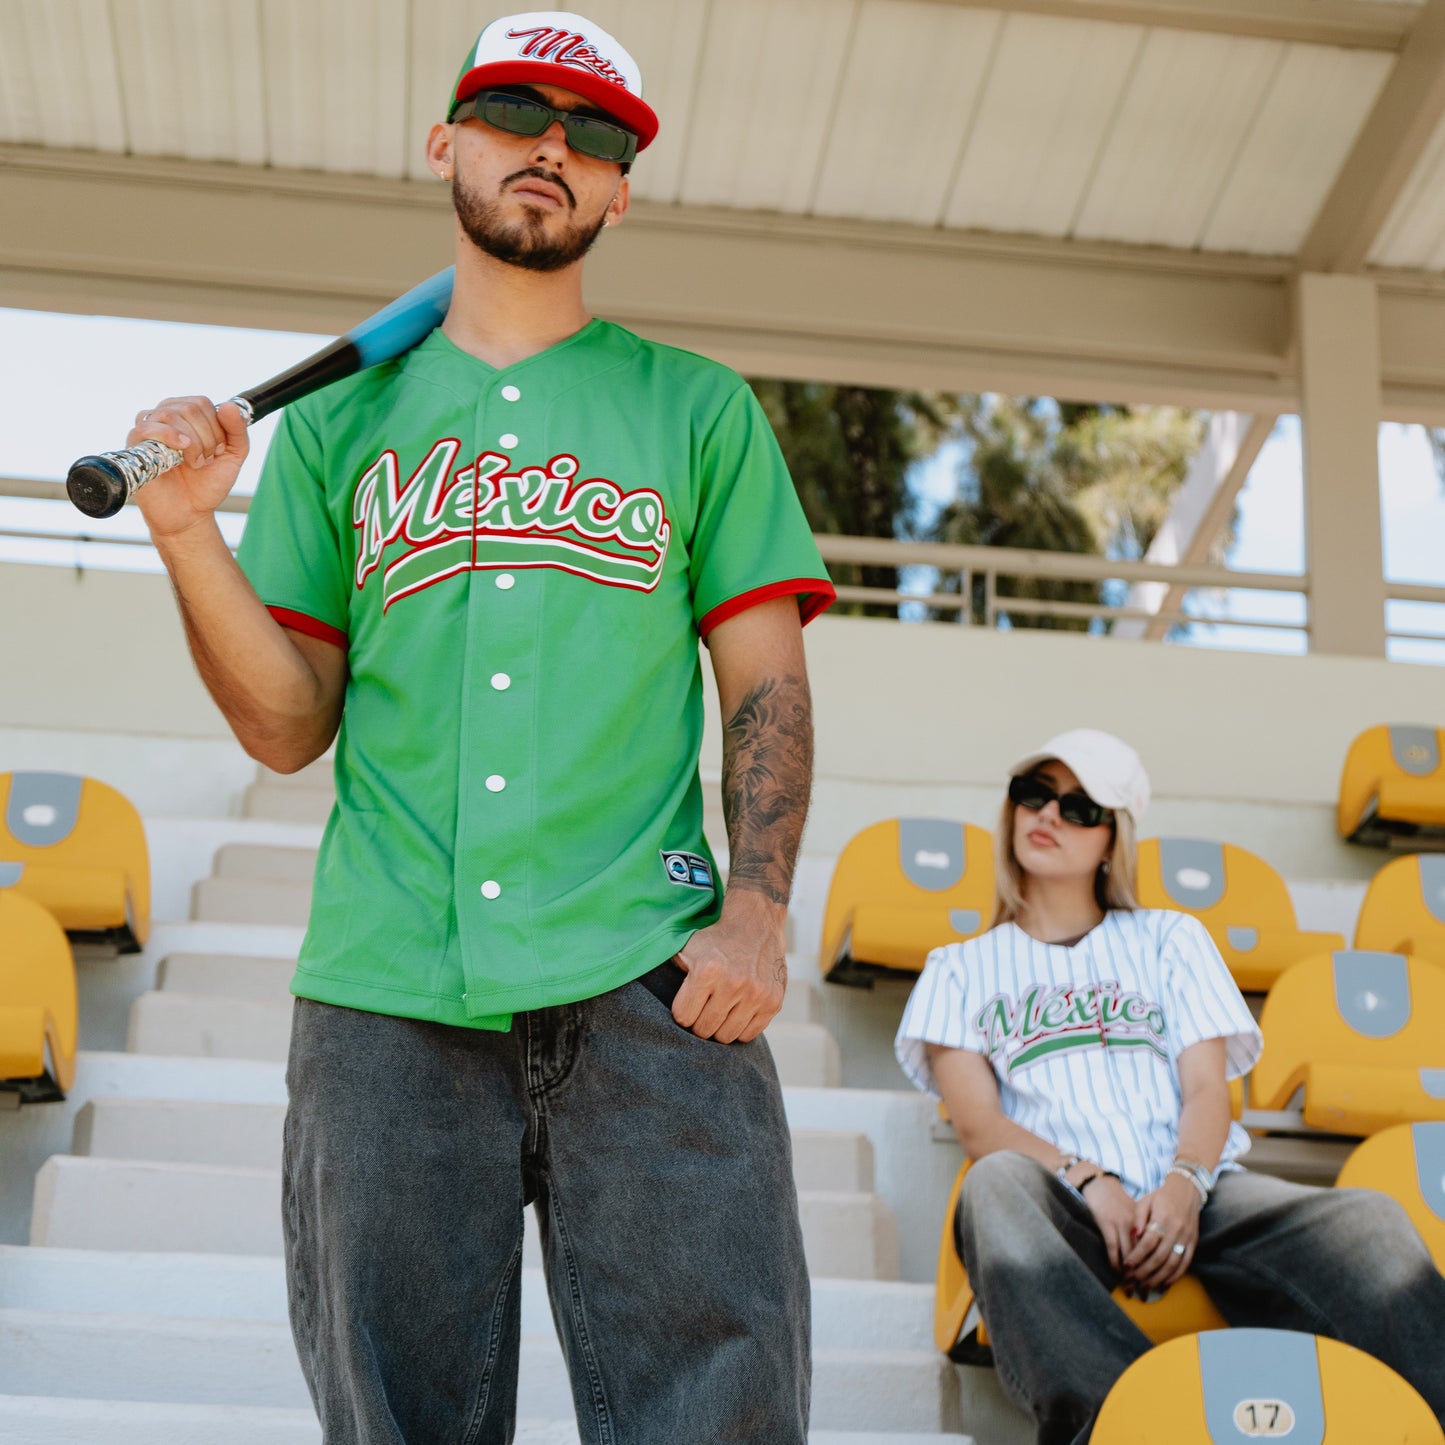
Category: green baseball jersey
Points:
column 519, row 564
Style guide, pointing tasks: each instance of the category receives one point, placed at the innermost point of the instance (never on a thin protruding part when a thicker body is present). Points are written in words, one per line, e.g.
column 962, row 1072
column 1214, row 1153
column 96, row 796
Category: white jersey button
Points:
column 491, row 889
column 511, row 393
column 496, row 783
column 506, row 581
column 501, row 681
column 508, row 439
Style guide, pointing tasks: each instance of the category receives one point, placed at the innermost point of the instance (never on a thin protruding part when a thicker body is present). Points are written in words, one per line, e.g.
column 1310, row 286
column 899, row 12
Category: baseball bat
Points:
column 101, row 485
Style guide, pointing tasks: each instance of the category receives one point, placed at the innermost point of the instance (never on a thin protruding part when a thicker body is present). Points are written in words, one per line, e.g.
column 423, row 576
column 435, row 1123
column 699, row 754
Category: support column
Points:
column 1339, row 350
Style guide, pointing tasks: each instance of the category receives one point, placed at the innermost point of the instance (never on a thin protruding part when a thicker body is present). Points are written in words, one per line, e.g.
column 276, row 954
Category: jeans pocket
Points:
column 664, row 981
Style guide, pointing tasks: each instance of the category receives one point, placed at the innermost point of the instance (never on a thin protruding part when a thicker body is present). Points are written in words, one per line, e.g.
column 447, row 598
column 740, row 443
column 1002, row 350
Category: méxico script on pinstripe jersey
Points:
column 491, row 514
column 1051, row 1020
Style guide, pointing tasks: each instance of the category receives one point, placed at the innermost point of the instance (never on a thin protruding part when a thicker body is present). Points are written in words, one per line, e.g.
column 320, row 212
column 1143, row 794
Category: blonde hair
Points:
column 1114, row 884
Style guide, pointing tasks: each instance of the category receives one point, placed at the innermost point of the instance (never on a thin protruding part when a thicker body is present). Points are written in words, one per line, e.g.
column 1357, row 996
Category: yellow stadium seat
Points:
column 1406, row 1162
column 77, row 847
column 1361, row 1034
column 1238, row 897
column 1404, row 908
column 1245, row 1384
column 901, row 888
column 37, row 1002
column 1392, row 791
column 1183, row 1309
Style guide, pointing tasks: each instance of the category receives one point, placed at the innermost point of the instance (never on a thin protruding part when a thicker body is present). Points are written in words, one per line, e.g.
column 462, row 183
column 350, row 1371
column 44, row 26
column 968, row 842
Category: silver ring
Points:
column 1181, row 1249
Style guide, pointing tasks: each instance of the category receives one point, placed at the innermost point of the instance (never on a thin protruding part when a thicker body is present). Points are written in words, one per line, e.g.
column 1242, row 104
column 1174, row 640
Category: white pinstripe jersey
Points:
column 1084, row 1040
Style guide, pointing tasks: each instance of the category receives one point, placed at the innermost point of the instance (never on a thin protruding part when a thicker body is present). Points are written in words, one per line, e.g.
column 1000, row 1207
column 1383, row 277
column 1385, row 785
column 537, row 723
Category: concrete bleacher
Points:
column 140, row 1279
column 141, row 1285
column 141, row 1269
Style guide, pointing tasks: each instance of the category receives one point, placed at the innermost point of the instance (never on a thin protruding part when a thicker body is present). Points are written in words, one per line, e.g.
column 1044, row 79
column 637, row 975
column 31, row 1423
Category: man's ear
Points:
column 617, row 207
column 438, row 150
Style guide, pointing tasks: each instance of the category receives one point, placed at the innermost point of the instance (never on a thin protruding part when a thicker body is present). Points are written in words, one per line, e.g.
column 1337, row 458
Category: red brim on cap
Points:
column 624, row 107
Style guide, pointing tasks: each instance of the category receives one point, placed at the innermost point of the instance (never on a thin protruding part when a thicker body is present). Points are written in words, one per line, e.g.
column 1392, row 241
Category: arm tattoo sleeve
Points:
column 766, row 781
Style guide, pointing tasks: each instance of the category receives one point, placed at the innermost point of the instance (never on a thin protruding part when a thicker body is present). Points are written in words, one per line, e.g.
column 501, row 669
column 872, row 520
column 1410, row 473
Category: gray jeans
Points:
column 661, row 1171
column 1340, row 1262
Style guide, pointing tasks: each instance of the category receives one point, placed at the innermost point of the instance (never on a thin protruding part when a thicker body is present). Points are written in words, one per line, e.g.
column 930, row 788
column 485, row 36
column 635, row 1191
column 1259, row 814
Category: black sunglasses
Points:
column 588, row 135
column 1033, row 793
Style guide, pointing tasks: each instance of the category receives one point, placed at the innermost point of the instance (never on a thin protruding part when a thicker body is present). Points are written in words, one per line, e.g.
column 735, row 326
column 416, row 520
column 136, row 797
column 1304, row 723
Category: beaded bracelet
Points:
column 1206, row 1177
column 1193, row 1178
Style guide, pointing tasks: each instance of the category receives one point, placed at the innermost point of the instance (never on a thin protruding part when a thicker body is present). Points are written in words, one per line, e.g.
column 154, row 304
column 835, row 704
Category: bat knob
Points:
column 97, row 487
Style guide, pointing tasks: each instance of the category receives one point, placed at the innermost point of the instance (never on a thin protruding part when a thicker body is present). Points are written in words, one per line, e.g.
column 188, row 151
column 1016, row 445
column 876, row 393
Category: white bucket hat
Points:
column 1107, row 767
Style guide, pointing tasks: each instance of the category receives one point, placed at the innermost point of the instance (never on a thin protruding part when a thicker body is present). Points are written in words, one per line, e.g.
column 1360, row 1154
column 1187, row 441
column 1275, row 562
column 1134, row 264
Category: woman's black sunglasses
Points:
column 1033, row 793
column 588, row 135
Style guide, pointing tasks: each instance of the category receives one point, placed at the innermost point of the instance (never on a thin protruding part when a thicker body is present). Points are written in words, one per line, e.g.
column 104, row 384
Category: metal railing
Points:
column 968, row 566
column 969, row 577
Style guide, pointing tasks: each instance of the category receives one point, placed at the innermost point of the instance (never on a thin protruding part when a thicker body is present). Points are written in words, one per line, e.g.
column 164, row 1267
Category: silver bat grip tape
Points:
column 143, row 463
column 147, row 460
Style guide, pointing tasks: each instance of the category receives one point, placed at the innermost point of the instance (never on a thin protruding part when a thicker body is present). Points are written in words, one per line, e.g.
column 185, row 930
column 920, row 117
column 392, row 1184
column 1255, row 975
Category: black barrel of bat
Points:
column 329, row 364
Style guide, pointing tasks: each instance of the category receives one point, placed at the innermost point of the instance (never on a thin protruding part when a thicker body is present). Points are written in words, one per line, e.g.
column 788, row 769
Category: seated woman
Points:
column 1083, row 1046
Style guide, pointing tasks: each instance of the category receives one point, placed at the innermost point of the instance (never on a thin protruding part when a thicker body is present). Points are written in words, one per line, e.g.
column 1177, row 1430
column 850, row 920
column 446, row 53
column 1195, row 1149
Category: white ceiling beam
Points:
column 1201, row 510
column 1359, row 24
column 864, row 304
column 887, row 305
column 1389, row 147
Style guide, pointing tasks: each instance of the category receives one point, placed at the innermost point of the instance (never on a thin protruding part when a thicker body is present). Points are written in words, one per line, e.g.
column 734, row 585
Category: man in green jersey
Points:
column 483, row 570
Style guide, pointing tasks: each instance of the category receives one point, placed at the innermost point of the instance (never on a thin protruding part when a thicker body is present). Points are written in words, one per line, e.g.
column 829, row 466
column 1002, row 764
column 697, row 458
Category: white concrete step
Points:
column 848, row 1235
column 37, row 1420
column 181, row 1025
column 46, row 1420
column 227, row 975
column 137, row 1204
column 28, row 1137
column 251, row 900
column 806, row 1055
column 183, row 850
column 109, row 985
column 914, row 1171
column 229, row 1362
column 180, row 1131
column 288, row 803
column 847, row 1314
column 258, row 861
column 211, row 1026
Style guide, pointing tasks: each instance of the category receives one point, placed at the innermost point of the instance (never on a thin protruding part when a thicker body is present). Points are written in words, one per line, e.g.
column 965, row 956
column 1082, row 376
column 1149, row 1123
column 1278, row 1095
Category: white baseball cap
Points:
column 1107, row 767
column 556, row 47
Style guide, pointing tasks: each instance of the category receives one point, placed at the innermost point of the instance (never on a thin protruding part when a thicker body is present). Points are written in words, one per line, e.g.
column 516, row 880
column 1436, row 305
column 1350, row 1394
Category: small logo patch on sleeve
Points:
column 688, row 870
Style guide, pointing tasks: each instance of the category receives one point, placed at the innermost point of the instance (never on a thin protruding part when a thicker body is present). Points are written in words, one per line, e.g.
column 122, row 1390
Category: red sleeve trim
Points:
column 815, row 596
column 300, row 622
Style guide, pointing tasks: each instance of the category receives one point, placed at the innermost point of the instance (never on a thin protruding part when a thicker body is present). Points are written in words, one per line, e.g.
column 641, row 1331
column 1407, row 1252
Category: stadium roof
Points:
column 1103, row 197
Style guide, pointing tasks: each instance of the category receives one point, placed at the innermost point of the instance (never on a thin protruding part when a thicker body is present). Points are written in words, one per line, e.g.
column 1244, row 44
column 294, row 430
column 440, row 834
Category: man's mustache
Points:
column 537, row 173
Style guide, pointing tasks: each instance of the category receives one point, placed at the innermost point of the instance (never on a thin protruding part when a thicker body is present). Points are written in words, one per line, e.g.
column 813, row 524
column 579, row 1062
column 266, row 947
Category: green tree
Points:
column 1064, row 477
column 849, row 449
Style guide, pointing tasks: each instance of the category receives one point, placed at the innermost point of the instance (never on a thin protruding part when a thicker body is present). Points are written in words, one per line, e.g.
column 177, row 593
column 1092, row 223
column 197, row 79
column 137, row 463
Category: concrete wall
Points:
column 95, row 678
column 922, row 719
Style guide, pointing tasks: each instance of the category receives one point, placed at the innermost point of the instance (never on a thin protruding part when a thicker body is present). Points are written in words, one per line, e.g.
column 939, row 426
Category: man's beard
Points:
column 523, row 243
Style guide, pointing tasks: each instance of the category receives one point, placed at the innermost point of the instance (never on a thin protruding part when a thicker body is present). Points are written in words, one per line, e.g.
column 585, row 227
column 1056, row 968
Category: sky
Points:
column 74, row 384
